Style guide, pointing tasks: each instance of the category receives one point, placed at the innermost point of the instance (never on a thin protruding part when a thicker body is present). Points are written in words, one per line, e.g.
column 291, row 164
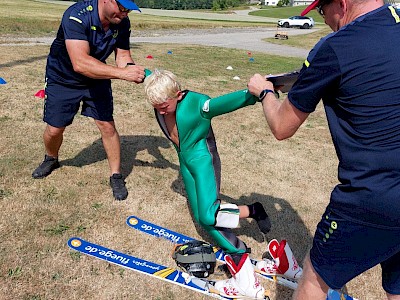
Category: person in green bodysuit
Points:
column 185, row 118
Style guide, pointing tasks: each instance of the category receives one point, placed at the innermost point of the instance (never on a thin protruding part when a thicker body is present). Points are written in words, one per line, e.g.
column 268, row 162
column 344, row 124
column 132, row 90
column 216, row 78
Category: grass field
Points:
column 292, row 178
column 285, row 12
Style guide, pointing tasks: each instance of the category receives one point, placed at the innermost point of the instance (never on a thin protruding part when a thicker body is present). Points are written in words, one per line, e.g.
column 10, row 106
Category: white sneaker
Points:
column 244, row 283
column 284, row 263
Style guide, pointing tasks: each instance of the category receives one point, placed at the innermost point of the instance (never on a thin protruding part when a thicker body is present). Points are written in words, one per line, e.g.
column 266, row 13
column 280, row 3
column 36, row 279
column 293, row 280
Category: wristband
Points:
column 264, row 93
column 130, row 64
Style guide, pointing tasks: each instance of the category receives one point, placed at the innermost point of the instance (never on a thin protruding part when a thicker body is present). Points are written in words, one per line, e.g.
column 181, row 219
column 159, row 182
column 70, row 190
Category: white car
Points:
column 297, row 21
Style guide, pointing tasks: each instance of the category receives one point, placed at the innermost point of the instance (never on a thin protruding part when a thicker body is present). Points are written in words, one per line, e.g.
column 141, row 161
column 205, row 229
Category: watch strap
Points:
column 264, row 93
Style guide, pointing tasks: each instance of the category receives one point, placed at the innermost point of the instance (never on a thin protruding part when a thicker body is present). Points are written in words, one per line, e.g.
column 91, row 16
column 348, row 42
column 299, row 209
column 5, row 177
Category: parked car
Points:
column 297, row 21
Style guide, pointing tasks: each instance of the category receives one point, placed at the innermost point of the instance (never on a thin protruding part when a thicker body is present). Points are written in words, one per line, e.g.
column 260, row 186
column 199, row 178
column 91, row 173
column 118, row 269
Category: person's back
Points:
column 195, row 111
column 355, row 72
column 188, row 118
column 102, row 43
column 361, row 94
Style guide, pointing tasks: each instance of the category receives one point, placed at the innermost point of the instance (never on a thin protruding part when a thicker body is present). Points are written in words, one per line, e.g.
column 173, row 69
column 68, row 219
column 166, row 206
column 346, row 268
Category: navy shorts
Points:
column 62, row 102
column 343, row 249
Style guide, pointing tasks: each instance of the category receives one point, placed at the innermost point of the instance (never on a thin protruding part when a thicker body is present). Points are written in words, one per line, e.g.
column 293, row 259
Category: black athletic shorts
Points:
column 62, row 102
column 343, row 249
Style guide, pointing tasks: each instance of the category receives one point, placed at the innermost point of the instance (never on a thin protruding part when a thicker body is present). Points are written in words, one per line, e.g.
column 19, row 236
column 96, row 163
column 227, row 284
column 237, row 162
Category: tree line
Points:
column 190, row 4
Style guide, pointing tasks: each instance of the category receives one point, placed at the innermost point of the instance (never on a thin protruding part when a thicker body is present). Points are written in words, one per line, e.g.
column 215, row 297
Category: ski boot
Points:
column 244, row 283
column 283, row 264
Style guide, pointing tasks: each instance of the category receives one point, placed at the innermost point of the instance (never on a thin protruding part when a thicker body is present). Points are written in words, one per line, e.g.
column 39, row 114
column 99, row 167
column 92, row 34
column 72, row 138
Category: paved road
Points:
column 249, row 39
column 240, row 15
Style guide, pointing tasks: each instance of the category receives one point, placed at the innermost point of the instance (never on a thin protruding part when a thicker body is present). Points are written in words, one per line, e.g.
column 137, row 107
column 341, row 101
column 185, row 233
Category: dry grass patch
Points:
column 293, row 179
column 306, row 41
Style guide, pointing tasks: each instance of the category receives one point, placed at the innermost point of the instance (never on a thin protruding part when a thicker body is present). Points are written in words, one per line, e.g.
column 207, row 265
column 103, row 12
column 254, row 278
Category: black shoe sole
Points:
column 40, row 176
column 120, row 198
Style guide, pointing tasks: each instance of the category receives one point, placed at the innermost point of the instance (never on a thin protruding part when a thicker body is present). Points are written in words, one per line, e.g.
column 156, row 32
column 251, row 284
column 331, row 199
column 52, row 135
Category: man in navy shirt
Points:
column 355, row 71
column 77, row 72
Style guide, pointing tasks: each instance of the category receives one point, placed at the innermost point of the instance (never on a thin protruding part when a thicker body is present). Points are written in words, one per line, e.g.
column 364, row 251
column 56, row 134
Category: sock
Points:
column 237, row 257
column 257, row 212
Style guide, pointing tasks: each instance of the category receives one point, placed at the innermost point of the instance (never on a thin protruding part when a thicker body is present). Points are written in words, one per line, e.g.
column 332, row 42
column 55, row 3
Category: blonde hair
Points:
column 160, row 86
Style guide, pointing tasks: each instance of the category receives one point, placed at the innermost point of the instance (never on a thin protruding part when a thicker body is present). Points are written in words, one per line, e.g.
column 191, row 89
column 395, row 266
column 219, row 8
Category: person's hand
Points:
column 133, row 73
column 258, row 83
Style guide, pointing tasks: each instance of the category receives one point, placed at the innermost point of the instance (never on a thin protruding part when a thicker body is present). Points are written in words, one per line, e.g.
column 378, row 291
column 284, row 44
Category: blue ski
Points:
column 147, row 267
column 179, row 238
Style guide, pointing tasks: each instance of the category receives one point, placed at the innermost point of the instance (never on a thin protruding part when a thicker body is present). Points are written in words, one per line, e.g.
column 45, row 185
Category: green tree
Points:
column 283, row 3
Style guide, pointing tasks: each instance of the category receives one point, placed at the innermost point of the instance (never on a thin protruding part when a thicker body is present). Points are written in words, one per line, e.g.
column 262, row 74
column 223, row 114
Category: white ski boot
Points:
column 244, row 284
column 283, row 264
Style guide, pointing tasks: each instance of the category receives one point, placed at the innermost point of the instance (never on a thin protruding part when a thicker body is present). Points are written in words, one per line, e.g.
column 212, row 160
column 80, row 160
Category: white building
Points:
column 270, row 2
column 395, row 3
column 302, row 2
column 292, row 2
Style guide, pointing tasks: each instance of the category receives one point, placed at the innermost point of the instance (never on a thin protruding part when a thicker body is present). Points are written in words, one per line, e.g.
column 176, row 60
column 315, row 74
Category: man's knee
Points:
column 311, row 285
column 107, row 128
column 53, row 132
column 392, row 297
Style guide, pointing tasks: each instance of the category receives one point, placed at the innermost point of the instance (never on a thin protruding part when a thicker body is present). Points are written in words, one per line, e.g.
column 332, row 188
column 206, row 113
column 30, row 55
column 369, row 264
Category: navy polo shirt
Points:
column 81, row 22
column 356, row 73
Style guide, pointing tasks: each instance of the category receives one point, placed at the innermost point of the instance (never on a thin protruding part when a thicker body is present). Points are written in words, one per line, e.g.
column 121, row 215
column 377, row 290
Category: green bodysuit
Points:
column 200, row 164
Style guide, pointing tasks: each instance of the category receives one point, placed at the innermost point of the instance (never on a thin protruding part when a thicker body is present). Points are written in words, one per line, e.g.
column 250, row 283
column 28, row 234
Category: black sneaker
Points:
column 117, row 184
column 46, row 167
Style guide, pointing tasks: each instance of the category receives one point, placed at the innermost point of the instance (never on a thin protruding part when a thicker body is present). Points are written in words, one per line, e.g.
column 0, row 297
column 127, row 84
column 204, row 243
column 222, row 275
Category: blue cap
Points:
column 129, row 4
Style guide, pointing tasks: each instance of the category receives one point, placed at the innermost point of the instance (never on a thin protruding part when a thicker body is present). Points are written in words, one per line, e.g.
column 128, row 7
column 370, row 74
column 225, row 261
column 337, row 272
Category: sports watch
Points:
column 264, row 93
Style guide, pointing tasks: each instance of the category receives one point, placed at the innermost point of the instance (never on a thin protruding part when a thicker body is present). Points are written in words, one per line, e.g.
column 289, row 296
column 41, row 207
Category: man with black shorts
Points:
column 354, row 70
column 77, row 73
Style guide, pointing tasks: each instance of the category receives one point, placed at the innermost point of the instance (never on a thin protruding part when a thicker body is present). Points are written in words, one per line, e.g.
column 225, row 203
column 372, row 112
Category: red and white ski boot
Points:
column 244, row 284
column 283, row 264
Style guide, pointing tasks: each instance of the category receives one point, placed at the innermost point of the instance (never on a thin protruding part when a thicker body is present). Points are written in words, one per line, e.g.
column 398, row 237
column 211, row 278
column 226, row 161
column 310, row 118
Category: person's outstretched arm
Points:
column 228, row 103
column 283, row 117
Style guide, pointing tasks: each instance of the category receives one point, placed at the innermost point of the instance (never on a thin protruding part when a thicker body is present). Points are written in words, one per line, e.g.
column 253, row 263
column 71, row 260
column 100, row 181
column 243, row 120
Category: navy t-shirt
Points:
column 355, row 71
column 81, row 22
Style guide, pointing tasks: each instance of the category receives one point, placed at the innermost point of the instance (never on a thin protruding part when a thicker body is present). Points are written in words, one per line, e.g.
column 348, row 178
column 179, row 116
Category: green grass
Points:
column 30, row 17
column 44, row 18
column 286, row 12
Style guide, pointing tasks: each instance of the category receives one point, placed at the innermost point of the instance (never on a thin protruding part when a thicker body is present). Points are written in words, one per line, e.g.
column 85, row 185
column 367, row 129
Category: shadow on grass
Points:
column 23, row 61
column 130, row 146
column 286, row 223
